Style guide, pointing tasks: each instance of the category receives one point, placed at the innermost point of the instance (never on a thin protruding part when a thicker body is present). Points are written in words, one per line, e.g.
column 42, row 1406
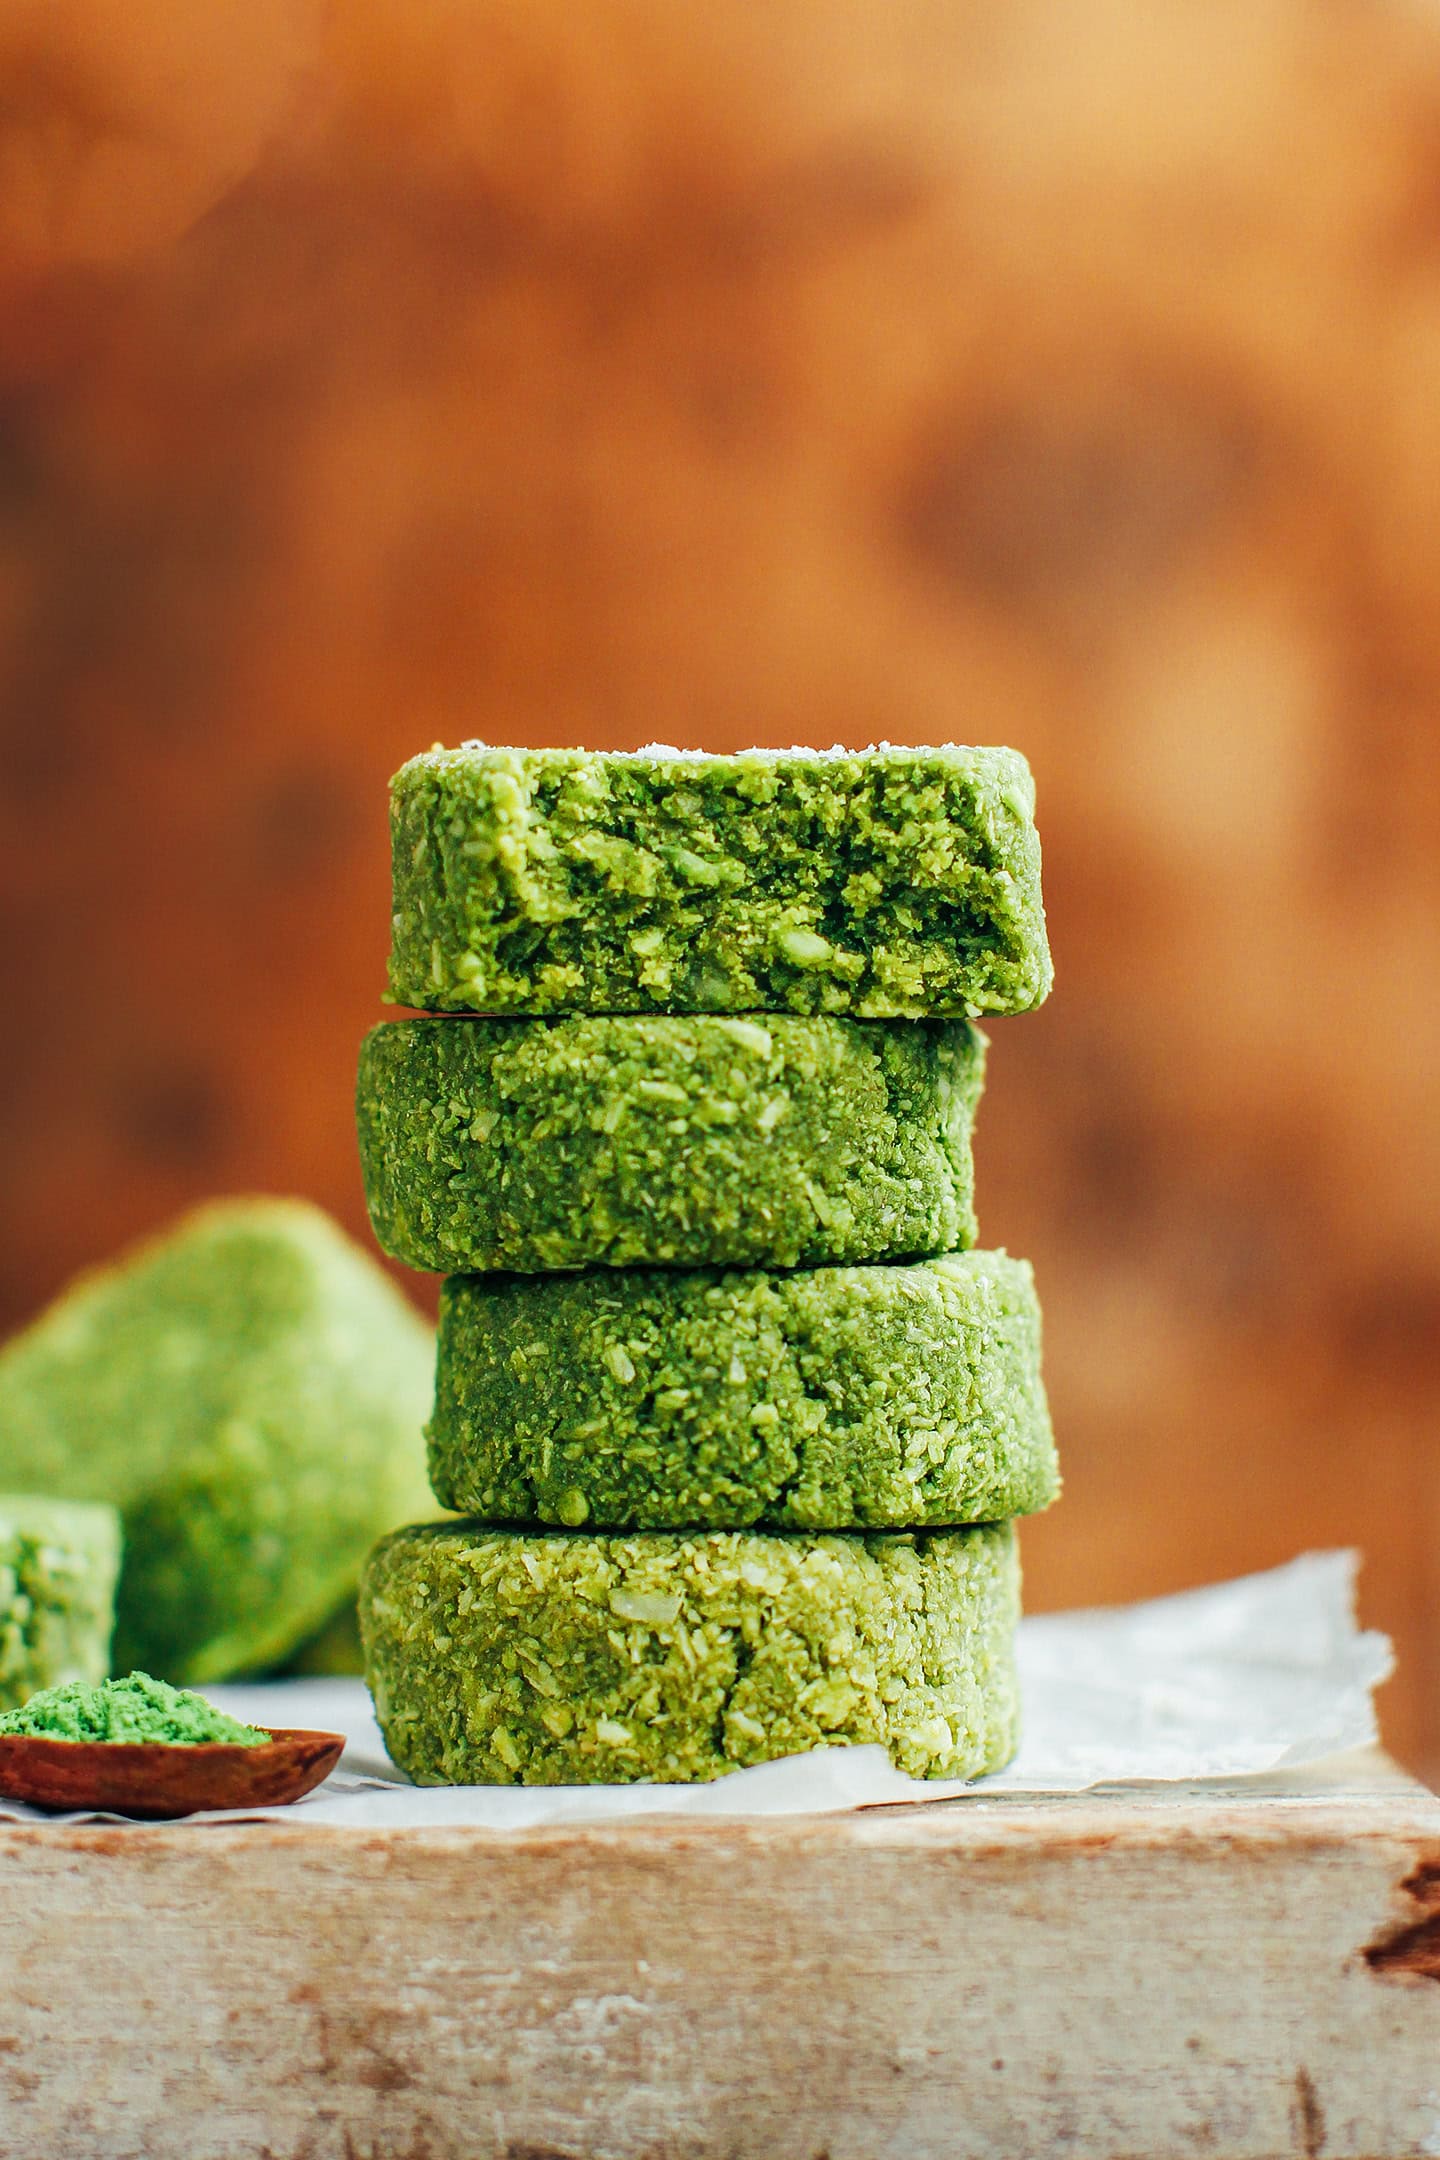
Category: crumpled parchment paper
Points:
column 1241, row 1679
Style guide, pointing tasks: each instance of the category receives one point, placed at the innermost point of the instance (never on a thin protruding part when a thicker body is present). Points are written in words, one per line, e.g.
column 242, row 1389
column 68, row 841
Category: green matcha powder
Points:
column 135, row 1709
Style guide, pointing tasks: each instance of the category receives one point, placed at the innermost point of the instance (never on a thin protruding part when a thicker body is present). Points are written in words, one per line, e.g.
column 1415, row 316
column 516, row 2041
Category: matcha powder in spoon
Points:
column 136, row 1710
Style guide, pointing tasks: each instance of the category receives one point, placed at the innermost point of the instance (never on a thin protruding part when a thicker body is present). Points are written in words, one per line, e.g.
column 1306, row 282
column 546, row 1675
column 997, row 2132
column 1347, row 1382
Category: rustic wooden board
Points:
column 1156, row 1972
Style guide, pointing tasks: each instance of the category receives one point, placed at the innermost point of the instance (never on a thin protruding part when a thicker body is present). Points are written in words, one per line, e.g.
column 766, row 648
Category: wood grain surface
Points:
column 1140, row 1975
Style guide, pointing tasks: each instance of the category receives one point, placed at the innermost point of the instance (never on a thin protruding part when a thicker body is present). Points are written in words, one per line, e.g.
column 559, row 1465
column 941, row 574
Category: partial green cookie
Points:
column 333, row 1651
column 58, row 1565
column 543, row 1144
column 249, row 1391
column 835, row 1398
column 887, row 883
column 502, row 1658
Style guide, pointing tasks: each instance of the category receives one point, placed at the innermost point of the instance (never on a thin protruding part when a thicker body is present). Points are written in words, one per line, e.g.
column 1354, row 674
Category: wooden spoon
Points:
column 158, row 1781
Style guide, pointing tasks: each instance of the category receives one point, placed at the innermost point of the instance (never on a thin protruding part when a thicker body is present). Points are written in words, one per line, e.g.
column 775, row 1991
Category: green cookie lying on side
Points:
column 248, row 1390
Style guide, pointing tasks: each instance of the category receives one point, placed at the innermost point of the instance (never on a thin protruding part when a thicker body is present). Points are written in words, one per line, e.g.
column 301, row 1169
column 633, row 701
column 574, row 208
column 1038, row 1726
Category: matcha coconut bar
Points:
column 547, row 1144
column 333, row 1651
column 248, row 1391
column 884, row 883
column 836, row 1398
column 58, row 1564
column 497, row 1657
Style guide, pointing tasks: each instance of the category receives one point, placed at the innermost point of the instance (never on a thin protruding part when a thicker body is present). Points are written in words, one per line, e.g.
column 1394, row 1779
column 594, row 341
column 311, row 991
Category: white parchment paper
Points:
column 1241, row 1679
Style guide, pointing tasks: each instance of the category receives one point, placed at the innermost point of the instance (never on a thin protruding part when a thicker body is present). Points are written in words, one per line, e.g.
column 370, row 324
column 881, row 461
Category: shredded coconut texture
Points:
column 619, row 1141
column 135, row 1709
column 833, row 1398
column 58, row 1565
column 500, row 1657
column 884, row 883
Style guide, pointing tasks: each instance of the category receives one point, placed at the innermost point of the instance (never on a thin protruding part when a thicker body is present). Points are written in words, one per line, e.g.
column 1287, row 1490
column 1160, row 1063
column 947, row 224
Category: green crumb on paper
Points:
column 502, row 1657
column 136, row 1710
column 673, row 1140
column 884, row 1397
column 58, row 1565
column 888, row 882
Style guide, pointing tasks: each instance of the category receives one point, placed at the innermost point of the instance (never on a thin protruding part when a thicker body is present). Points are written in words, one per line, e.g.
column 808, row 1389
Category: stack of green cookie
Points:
column 737, row 1419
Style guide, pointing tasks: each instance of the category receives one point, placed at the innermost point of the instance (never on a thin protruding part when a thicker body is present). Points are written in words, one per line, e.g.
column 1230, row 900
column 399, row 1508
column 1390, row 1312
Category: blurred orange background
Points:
column 405, row 370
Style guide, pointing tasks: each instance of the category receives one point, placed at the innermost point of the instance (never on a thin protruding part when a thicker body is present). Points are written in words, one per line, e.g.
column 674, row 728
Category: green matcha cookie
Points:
column 835, row 1398
column 543, row 1144
column 58, row 1564
column 249, row 1391
column 496, row 1657
column 884, row 883
column 333, row 1651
